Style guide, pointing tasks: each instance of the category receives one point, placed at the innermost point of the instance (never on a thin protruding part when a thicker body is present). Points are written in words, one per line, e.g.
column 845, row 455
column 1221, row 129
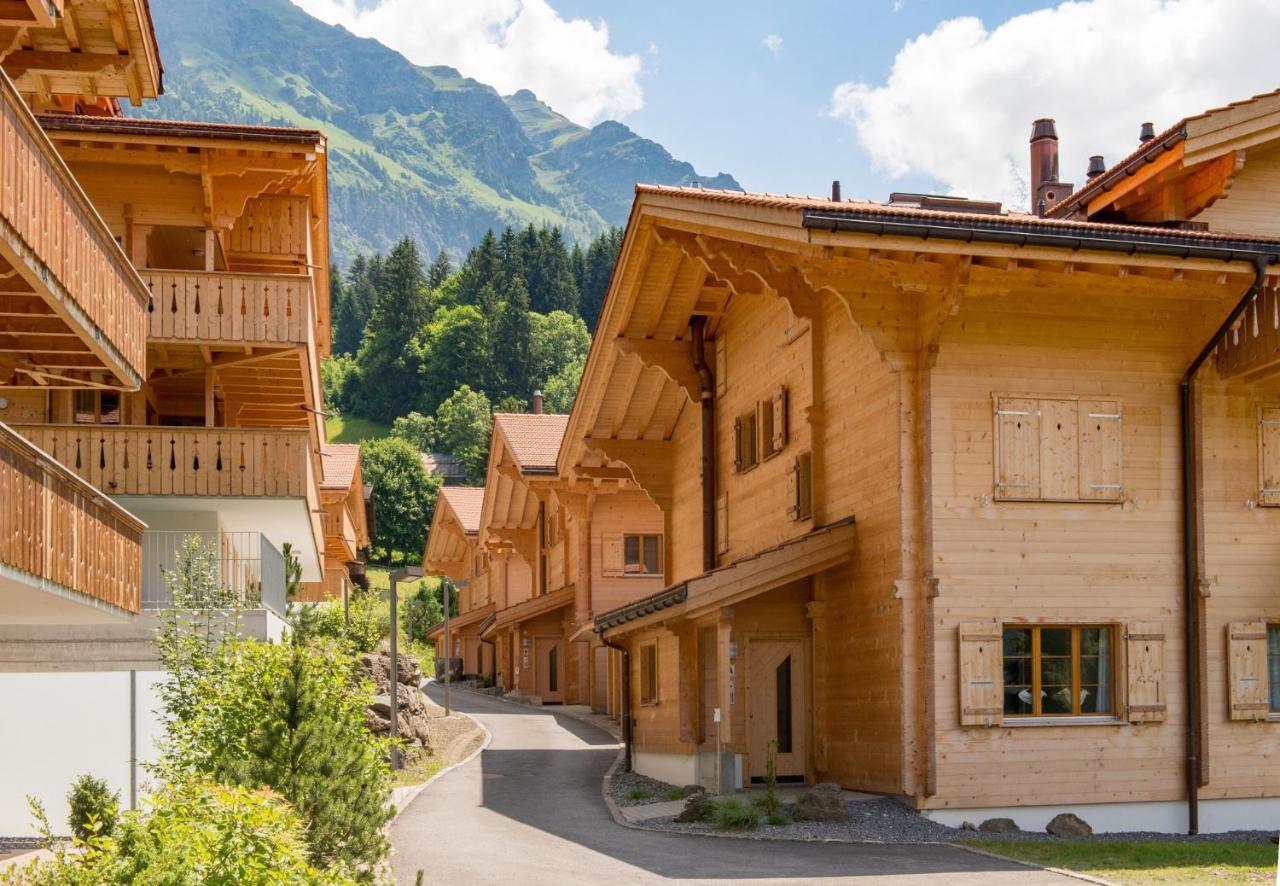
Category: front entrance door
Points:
column 548, row 668
column 778, row 706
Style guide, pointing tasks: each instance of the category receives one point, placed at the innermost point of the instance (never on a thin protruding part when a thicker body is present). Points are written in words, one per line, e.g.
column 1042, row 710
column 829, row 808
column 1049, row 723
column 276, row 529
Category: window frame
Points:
column 1037, row 713
column 96, row 397
column 640, row 538
column 1273, row 652
column 747, row 444
column 648, row 671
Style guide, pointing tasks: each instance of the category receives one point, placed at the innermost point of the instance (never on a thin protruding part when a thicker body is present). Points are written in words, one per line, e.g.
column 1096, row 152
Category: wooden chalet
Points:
column 345, row 521
column 921, row 468
column 453, row 552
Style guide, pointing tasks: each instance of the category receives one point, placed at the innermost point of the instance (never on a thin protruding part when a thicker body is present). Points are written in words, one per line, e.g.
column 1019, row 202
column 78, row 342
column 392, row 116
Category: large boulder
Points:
column 1066, row 824
column 377, row 665
column 824, row 802
column 412, row 722
column 699, row 807
column 999, row 826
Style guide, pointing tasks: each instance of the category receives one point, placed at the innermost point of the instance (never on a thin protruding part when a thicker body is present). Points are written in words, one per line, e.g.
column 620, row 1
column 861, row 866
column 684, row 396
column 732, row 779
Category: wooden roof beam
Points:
column 672, row 358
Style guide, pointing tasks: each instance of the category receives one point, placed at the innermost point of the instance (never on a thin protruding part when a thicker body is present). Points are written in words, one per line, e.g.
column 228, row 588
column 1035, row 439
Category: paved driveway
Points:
column 528, row 812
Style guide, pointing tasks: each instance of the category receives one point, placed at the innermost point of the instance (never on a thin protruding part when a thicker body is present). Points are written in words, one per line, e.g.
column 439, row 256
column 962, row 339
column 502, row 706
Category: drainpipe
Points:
column 1190, row 543
column 707, row 388
column 626, row 698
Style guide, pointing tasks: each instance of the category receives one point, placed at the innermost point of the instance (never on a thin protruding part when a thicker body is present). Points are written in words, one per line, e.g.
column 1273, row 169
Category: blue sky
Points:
column 930, row 95
column 717, row 97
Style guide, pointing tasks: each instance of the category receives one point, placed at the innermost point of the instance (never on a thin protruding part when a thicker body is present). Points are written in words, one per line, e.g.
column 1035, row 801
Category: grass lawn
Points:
column 1148, row 863
column 418, row 767
column 352, row 429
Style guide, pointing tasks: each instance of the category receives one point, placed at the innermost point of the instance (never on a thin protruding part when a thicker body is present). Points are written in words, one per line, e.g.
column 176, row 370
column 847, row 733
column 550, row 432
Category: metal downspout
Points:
column 1191, row 545
column 707, row 391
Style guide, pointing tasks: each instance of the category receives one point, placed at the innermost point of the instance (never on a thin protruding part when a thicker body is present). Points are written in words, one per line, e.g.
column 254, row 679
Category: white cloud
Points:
column 773, row 43
column 509, row 44
column 899, row 5
column 959, row 101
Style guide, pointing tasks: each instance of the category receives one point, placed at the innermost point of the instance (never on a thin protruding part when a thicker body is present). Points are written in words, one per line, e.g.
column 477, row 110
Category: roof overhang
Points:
column 473, row 619
column 809, row 554
column 521, row 612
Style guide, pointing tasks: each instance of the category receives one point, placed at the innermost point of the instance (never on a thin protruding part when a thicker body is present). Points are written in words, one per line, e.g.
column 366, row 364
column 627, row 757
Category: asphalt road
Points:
column 528, row 811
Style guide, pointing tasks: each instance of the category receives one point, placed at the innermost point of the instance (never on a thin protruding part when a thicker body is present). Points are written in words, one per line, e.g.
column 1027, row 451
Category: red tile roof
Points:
column 339, row 461
column 890, row 212
column 466, row 503
column 534, row 440
column 142, row 126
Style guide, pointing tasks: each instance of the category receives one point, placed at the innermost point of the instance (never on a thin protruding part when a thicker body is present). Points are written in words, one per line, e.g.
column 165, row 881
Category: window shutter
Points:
column 1247, row 670
column 793, row 490
column 1100, row 451
column 722, row 524
column 737, row 445
column 981, row 677
column 804, row 471
column 1144, row 651
column 780, row 420
column 1017, row 448
column 1059, row 449
column 722, row 378
column 1269, row 455
column 612, row 560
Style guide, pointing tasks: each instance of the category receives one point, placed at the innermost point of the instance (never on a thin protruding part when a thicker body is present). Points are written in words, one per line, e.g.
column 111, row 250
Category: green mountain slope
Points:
column 417, row 150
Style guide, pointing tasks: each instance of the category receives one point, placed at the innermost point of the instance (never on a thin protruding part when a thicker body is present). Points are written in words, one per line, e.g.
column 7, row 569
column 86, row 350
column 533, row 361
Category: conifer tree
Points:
column 388, row 365
column 440, row 270
column 483, row 267
column 511, row 342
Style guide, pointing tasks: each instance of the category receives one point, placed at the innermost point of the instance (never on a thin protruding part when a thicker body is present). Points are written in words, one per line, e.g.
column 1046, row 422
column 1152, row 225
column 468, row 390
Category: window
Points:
column 1273, row 666
column 1057, row 449
column 746, row 454
column 800, row 487
column 649, row 673
column 553, row 669
column 1269, row 456
column 1057, row 670
column 773, row 424
column 97, row 407
column 642, row 554
column 783, row 680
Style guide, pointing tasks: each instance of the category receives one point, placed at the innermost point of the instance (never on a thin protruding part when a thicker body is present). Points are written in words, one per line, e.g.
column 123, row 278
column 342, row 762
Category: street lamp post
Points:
column 398, row 576
column 447, row 585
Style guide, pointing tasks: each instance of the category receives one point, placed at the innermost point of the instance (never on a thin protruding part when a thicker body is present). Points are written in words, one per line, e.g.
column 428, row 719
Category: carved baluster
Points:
column 173, row 454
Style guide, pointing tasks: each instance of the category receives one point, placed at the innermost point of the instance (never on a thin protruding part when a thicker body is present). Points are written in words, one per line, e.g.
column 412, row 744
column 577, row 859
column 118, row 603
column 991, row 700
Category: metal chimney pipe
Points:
column 1147, row 133
column 1097, row 166
column 835, row 191
column 537, row 402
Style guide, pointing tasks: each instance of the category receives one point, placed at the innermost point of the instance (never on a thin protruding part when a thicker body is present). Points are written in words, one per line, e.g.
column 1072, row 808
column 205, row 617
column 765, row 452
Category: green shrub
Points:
column 673, row 793
column 778, row 818
column 94, row 808
column 194, row 831
column 733, row 815
column 699, row 807
column 640, row 792
column 360, row 629
column 771, row 802
column 290, row 718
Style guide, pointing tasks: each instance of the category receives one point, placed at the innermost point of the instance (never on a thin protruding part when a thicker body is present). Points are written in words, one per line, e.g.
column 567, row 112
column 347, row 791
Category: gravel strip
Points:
column 886, row 820
column 624, row 782
column 20, row 844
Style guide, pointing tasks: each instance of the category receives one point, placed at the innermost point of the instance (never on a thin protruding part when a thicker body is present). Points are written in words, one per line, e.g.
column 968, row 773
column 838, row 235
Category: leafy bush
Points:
column 699, row 807
column 361, row 629
column 290, row 718
column 195, row 831
column 673, row 793
column 425, row 609
column 732, row 814
column 778, row 818
column 640, row 792
column 95, row 808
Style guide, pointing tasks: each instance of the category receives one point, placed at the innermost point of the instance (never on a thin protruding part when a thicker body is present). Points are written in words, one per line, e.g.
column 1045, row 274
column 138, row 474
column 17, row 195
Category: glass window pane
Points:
column 1017, row 672
column 85, row 405
column 1273, row 664
column 1094, row 700
column 783, row 676
column 1089, row 670
column 631, row 545
column 1055, row 700
column 1017, row 641
column 110, row 407
column 1017, row 700
column 651, row 549
column 1055, row 671
column 1094, row 641
column 1055, row 641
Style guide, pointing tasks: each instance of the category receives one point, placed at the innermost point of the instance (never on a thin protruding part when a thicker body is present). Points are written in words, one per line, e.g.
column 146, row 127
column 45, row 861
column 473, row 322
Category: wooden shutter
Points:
column 722, row 524
column 793, row 490
column 612, row 559
column 780, row 420
column 737, row 445
column 1247, row 670
column 1059, row 449
column 1017, row 448
column 981, row 674
column 1269, row 456
column 1100, row 451
column 722, row 377
column 1144, row 654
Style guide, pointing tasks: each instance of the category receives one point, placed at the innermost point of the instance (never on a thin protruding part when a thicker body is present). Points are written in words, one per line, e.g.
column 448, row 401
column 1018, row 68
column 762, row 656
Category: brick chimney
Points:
column 1046, row 190
column 537, row 402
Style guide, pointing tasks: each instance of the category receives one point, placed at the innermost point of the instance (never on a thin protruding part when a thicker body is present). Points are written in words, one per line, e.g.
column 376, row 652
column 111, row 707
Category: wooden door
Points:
column 548, row 668
column 777, row 706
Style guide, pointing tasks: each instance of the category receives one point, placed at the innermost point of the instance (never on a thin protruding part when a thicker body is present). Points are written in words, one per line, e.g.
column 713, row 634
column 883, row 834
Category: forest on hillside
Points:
column 425, row 354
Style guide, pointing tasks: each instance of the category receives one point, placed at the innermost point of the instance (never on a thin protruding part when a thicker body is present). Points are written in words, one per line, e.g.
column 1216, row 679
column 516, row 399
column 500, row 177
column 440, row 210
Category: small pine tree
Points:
column 95, row 808
column 441, row 269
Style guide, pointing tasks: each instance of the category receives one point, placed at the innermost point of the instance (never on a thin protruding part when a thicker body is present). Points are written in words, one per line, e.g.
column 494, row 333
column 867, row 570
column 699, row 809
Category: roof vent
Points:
column 1097, row 166
column 835, row 191
column 1148, row 133
column 944, row 203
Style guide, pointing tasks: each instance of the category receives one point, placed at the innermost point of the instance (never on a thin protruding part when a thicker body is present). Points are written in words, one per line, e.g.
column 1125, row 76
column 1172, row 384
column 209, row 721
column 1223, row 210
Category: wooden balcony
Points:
column 152, row 460
column 1252, row 347
column 214, row 308
column 76, row 309
column 341, row 539
column 56, row 528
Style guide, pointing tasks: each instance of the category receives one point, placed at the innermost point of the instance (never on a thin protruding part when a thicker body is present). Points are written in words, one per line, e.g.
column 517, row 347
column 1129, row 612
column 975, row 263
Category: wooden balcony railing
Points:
column 153, row 460
column 1253, row 344
column 233, row 308
column 46, row 218
column 56, row 527
column 339, row 531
